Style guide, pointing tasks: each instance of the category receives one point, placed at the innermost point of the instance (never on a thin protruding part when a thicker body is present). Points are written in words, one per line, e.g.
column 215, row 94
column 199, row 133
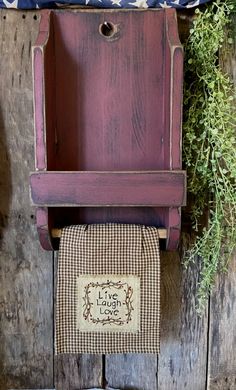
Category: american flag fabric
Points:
column 34, row 4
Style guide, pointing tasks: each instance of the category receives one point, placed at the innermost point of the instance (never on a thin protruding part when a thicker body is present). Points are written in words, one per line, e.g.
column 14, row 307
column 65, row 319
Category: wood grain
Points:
column 132, row 371
column 75, row 372
column 222, row 331
column 154, row 188
column 183, row 354
column 109, row 104
column 26, row 300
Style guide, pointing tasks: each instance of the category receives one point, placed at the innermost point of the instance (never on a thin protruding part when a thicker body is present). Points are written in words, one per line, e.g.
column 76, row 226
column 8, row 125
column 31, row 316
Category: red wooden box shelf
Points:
column 155, row 188
column 108, row 120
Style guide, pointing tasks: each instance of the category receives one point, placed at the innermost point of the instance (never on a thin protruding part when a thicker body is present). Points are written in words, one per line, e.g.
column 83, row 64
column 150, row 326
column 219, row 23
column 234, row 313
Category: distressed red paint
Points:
column 160, row 189
column 110, row 104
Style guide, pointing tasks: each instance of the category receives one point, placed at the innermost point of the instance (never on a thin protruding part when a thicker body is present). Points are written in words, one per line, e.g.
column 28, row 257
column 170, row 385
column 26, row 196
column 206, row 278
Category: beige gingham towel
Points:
column 108, row 289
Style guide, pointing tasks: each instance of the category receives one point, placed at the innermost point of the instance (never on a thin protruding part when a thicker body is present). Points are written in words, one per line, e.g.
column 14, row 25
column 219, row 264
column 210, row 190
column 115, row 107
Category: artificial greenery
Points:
column 209, row 144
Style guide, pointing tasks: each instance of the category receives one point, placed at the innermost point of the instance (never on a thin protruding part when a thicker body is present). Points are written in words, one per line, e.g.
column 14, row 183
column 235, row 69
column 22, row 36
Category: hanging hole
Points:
column 107, row 29
column 35, row 17
column 23, row 16
column 4, row 17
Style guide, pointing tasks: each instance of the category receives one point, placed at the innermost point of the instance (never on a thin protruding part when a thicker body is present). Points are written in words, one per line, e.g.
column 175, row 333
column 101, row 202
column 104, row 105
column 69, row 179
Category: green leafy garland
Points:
column 209, row 144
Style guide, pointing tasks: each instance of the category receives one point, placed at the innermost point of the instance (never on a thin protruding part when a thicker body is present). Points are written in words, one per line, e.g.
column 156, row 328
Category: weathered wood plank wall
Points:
column 222, row 305
column 196, row 354
column 26, row 300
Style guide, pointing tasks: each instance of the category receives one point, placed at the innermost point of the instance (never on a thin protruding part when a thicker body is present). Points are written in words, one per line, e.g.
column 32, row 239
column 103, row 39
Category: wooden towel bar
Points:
column 56, row 233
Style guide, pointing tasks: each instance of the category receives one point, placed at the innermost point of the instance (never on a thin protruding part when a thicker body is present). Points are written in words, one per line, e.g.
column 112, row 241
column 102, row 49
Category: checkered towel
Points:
column 108, row 289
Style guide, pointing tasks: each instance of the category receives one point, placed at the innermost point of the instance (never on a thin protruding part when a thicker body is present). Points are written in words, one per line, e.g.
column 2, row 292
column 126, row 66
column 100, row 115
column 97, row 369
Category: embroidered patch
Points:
column 108, row 303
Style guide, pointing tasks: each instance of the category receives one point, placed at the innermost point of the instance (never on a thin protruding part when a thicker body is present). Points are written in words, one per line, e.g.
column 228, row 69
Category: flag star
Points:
column 140, row 4
column 165, row 5
column 8, row 4
column 116, row 2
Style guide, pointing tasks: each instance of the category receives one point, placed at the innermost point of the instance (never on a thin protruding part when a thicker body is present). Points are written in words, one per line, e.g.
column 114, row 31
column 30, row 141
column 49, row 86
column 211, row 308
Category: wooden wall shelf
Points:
column 108, row 111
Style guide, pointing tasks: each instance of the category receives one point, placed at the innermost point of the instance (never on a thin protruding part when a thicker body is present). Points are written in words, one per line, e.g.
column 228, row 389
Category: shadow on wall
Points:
column 5, row 180
column 5, row 196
